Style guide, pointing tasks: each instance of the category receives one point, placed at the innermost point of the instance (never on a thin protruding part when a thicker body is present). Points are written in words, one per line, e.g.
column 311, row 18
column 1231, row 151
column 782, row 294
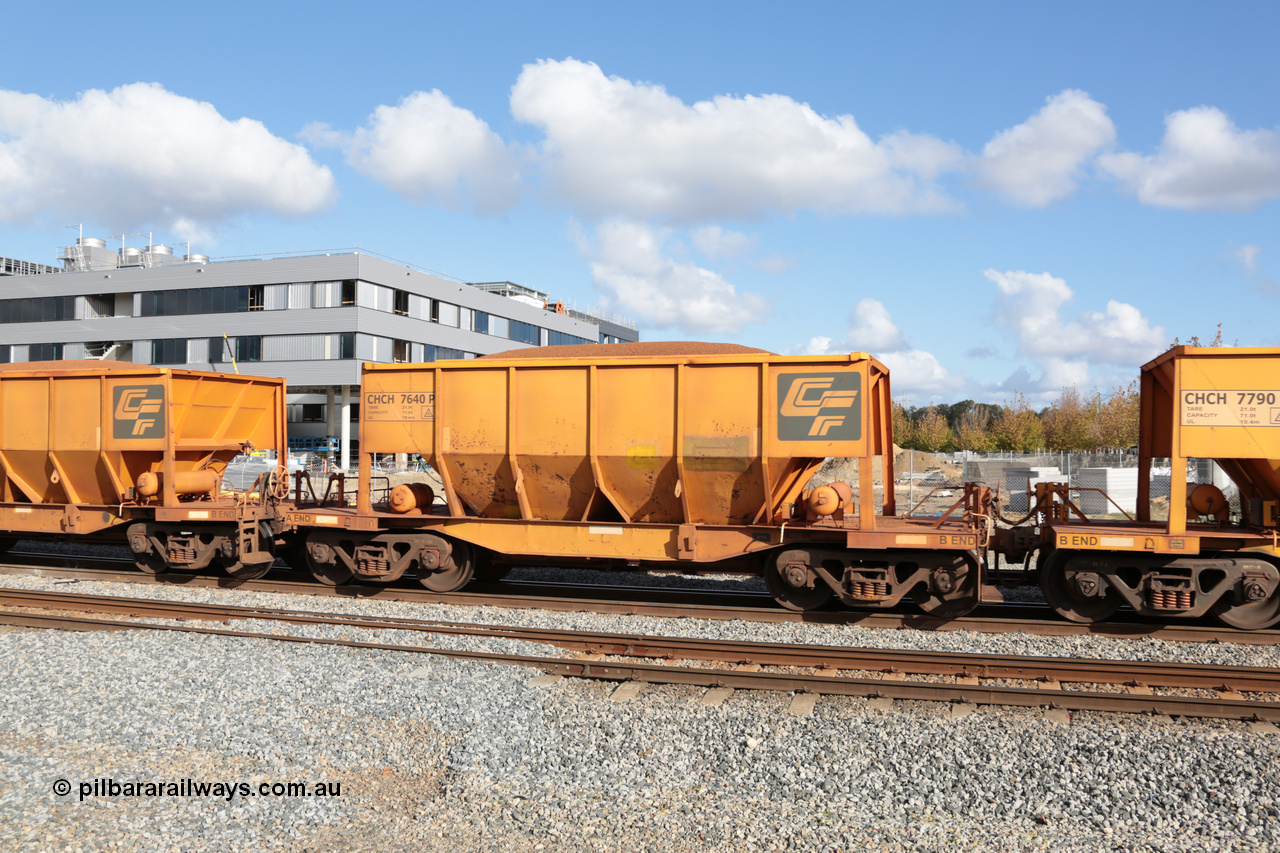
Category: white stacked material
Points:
column 1120, row 484
column 1020, row 482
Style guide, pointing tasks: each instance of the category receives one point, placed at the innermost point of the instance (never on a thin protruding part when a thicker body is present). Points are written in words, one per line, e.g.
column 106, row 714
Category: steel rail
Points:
column 973, row 665
column 865, row 619
column 963, row 694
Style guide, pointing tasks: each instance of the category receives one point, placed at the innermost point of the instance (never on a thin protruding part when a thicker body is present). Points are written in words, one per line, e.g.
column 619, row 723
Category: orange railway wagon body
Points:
column 136, row 452
column 1196, row 403
column 652, row 458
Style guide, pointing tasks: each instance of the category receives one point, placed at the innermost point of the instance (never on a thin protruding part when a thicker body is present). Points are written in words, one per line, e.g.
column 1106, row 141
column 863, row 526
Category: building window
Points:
column 400, row 352
column 38, row 309
column 217, row 350
column 44, row 352
column 100, row 306
column 480, row 322
column 169, row 351
column 257, row 297
column 526, row 333
column 312, row 413
column 555, row 338
column 347, row 345
column 6, row 354
column 349, row 292
column 400, row 303
column 444, row 353
column 249, row 348
column 200, row 300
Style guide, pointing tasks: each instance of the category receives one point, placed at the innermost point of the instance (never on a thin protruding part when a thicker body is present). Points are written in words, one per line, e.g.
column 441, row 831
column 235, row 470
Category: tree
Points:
column 1194, row 341
column 1069, row 423
column 1018, row 427
column 904, row 428
column 932, row 432
column 974, row 430
column 1118, row 417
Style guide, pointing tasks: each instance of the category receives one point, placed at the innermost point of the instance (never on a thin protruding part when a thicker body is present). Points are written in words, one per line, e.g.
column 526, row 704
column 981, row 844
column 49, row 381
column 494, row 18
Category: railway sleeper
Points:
column 940, row 583
column 339, row 556
column 244, row 551
column 1242, row 591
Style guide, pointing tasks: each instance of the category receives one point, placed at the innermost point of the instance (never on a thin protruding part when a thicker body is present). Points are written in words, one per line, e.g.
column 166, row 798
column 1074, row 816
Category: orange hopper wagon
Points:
column 676, row 456
column 133, row 453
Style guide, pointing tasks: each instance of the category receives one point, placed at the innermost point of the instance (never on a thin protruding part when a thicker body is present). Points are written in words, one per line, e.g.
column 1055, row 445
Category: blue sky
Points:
column 992, row 198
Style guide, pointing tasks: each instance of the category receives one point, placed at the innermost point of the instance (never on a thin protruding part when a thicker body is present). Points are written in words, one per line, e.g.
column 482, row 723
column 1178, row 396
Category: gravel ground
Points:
column 437, row 754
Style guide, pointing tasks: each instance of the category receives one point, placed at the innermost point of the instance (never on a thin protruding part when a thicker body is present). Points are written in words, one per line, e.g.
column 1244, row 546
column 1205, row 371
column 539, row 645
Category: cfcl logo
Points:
column 138, row 411
column 819, row 407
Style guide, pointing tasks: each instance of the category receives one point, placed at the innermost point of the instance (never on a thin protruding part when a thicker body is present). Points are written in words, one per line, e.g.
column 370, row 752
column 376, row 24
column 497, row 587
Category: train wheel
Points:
column 324, row 565
column 1249, row 615
column 453, row 575
column 152, row 564
column 951, row 592
column 1073, row 594
column 145, row 556
column 786, row 582
column 243, row 571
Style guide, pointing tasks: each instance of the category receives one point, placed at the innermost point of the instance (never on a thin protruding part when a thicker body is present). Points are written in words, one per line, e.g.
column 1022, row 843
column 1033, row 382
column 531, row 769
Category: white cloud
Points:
column 714, row 241
column 629, row 266
column 428, row 150
column 1248, row 258
column 1038, row 162
column 1030, row 305
column 873, row 330
column 140, row 155
column 614, row 147
column 1204, row 163
column 916, row 374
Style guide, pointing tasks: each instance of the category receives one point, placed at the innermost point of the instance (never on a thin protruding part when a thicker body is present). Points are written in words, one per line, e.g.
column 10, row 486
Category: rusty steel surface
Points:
column 1214, row 403
column 94, row 438
column 1229, row 708
column 765, row 612
column 1074, row 670
column 665, row 438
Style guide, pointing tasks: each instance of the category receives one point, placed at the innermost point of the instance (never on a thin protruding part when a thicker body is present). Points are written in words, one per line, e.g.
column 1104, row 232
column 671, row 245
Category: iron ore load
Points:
column 673, row 456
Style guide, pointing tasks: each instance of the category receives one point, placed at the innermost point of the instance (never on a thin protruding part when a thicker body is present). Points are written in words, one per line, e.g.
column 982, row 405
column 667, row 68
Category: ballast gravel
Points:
column 432, row 753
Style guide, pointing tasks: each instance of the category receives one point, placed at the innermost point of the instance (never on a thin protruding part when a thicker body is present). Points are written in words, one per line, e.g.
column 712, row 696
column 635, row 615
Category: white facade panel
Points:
column 327, row 294
column 275, row 297
column 198, row 350
column 300, row 294
column 419, row 307
column 293, row 347
column 447, row 314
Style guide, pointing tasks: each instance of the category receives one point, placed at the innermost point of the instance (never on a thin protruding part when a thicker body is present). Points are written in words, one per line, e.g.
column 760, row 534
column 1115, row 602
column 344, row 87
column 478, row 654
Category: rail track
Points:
column 958, row 678
column 643, row 601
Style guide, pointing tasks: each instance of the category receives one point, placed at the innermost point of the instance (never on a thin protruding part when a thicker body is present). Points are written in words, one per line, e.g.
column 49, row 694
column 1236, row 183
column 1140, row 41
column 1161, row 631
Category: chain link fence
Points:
column 1103, row 485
